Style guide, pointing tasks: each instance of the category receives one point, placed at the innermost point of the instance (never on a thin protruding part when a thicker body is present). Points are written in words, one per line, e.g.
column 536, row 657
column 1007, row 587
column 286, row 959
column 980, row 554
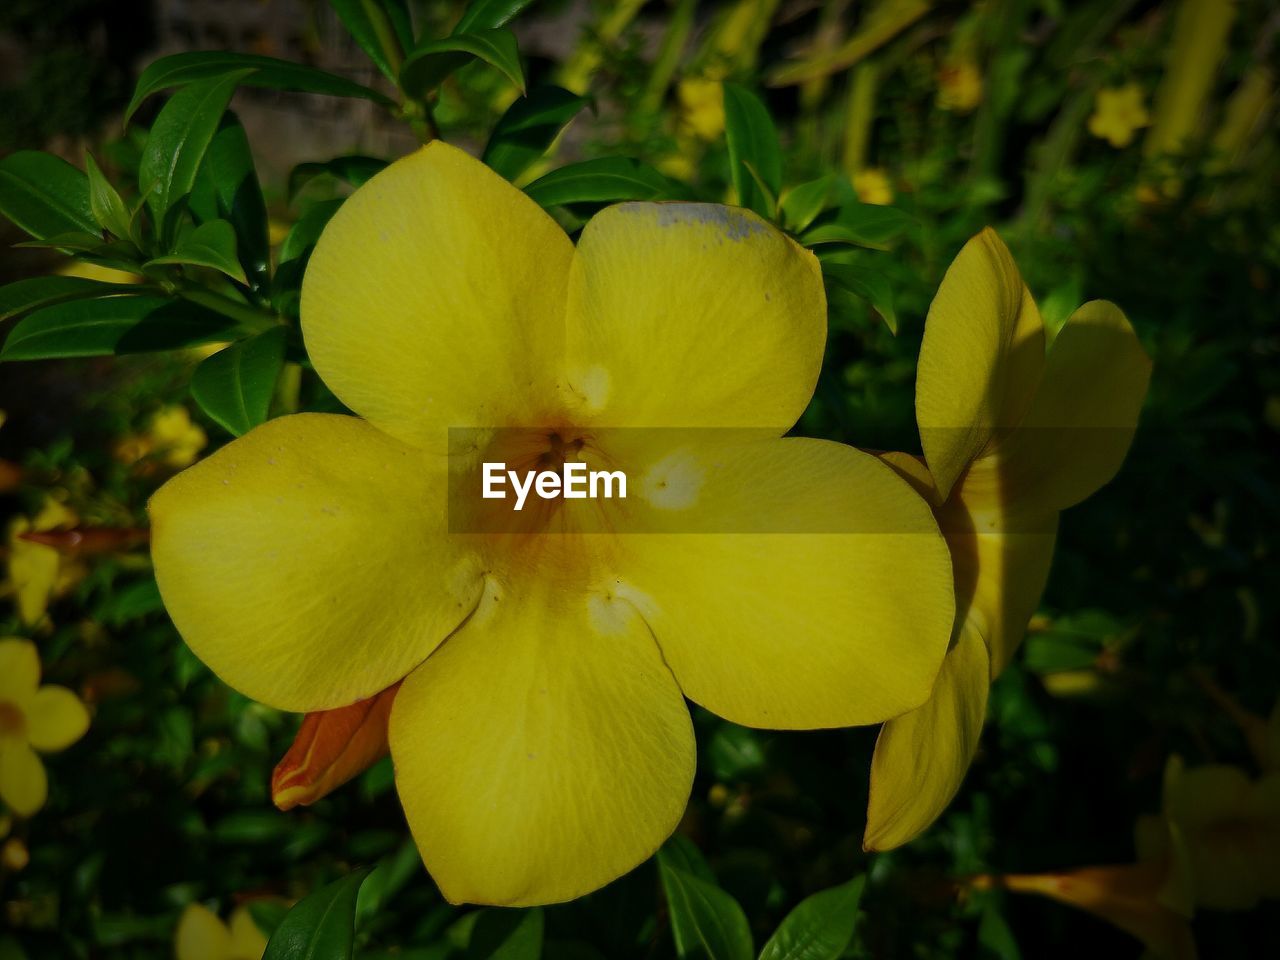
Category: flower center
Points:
column 12, row 721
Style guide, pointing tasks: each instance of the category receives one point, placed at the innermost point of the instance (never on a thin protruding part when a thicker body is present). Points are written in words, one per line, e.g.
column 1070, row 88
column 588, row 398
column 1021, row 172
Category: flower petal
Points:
column 921, row 757
column 684, row 314
column 543, row 751
column 23, row 784
column 201, row 935
column 19, row 671
column 1079, row 427
column 306, row 562
column 981, row 357
column 56, row 719
column 33, row 572
column 248, row 942
column 435, row 299
column 803, row 585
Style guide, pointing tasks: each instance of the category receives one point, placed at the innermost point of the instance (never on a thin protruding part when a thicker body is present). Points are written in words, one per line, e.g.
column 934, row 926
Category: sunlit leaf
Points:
column 433, row 61
column 108, row 208
column 820, row 928
column 45, row 195
column 706, row 922
column 212, row 245
column 320, row 926
column 753, row 145
column 528, row 128
column 604, row 180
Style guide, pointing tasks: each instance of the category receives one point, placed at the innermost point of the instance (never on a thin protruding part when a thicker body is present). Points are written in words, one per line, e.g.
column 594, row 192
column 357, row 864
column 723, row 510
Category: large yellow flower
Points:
column 1012, row 435
column 545, row 748
column 32, row 718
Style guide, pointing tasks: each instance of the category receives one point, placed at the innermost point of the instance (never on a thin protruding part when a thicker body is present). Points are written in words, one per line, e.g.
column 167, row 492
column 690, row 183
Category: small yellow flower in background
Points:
column 546, row 748
column 14, row 855
column 38, row 574
column 1118, row 114
column 679, row 164
column 202, row 936
column 32, row 718
column 1012, row 434
column 171, row 437
column 701, row 102
column 960, row 85
column 873, row 185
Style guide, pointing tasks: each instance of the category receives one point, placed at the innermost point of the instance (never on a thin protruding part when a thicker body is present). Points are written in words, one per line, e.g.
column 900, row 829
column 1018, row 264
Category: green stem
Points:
column 386, row 35
column 253, row 319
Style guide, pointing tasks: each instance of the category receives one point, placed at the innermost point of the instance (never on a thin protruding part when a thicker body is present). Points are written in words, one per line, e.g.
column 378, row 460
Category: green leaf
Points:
column 132, row 602
column 861, row 225
column 802, row 204
column 303, row 235
column 753, row 142
column 869, row 284
column 735, row 752
column 211, row 244
column 185, row 68
column 820, row 928
column 249, row 827
column 320, row 926
column 177, row 143
column 355, row 170
column 24, row 295
column 108, row 208
column 506, row 935
column 127, row 324
column 528, row 128
column 235, row 385
column 360, row 22
column 431, row 62
column 45, row 195
column 706, row 922
column 605, row 180
column 227, row 188
column 489, row 14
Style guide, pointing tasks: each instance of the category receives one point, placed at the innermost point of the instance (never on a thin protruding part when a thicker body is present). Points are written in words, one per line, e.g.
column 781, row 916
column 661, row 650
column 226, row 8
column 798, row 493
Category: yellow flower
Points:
column 171, row 437
column 1118, row 114
column 38, row 574
column 1219, row 832
column 1012, row 435
column 701, row 107
column 202, row 936
column 14, row 855
column 32, row 718
column 959, row 86
column 545, row 749
column 873, row 186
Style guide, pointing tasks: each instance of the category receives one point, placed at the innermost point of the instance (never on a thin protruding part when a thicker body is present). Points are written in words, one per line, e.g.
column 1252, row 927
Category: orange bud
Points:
column 331, row 747
column 1127, row 896
column 84, row 541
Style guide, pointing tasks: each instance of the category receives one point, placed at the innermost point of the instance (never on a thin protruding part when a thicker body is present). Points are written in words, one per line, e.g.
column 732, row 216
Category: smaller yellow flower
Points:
column 37, row 574
column 14, row 855
column 959, row 86
column 32, row 718
column 171, row 437
column 701, row 107
column 202, row 936
column 679, row 164
column 873, row 186
column 1118, row 114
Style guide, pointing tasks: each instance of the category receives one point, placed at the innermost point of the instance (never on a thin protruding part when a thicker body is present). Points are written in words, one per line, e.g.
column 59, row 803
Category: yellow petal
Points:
column 802, row 584
column 19, row 672
column 543, row 751
column 56, row 719
column 1079, row 427
column 435, row 299
column 33, row 572
column 23, row 785
column 201, row 935
column 692, row 315
column 306, row 564
column 981, row 357
column 247, row 941
column 921, row 757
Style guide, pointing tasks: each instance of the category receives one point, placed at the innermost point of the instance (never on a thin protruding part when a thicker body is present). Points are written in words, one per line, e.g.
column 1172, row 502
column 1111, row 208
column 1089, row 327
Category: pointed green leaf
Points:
column 45, row 195
column 488, row 14
column 753, row 141
column 23, row 295
column 869, row 284
column 235, row 385
column 528, row 128
column 802, row 204
column 177, row 143
column 107, row 206
column 706, row 922
column 227, row 188
column 181, row 69
column 355, row 170
column 820, row 928
column 506, row 935
column 604, row 180
column 211, row 244
column 431, row 62
column 859, row 224
column 125, row 324
column 320, row 926
column 360, row 17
